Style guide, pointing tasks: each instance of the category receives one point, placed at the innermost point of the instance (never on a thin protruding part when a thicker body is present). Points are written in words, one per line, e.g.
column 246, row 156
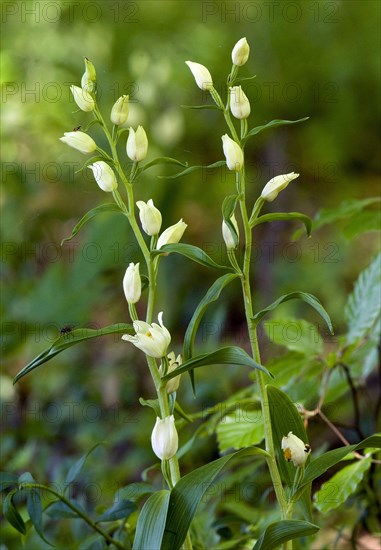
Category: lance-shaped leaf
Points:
column 70, row 339
column 272, row 124
column 191, row 169
column 187, row 494
column 284, row 216
column 75, row 469
column 228, row 208
column 34, row 507
column 310, row 299
column 201, row 107
column 108, row 207
column 11, row 513
column 231, row 355
column 152, row 521
column 192, row 252
column 119, row 510
column 280, row 532
column 162, row 160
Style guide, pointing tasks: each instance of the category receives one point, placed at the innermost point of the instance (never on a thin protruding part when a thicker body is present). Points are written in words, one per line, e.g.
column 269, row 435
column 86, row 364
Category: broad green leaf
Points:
column 187, row 494
column 34, row 507
column 363, row 306
column 152, row 521
column 228, row 208
column 76, row 468
column 211, row 296
column 70, row 339
column 362, row 222
column 191, row 169
column 284, row 216
column 108, row 207
column 346, row 210
column 119, row 510
column 231, row 355
column 163, row 160
column 241, row 428
column 321, row 464
column 310, row 299
column 7, row 480
column 192, row 252
column 12, row 515
column 294, row 334
column 338, row 489
column 280, row 532
column 272, row 124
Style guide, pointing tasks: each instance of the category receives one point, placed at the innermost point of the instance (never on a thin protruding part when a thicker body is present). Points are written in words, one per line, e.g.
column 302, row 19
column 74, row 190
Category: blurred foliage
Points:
column 316, row 59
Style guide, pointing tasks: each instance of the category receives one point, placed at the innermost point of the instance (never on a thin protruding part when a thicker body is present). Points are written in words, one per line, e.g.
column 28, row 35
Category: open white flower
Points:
column 295, row 450
column 276, row 185
column 164, row 438
column 152, row 339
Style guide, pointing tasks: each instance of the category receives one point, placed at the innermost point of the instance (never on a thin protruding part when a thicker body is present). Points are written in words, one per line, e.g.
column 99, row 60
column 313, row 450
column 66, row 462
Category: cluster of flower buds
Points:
column 164, row 438
column 295, row 450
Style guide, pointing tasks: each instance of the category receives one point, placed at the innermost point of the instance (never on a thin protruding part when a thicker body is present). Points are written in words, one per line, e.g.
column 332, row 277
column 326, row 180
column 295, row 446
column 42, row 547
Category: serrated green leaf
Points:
column 119, row 510
column 363, row 307
column 240, row 429
column 7, row 480
column 192, row 252
column 341, row 485
column 310, row 299
column 12, row 515
column 151, row 522
column 70, row 339
column 284, row 216
column 75, row 469
column 272, row 124
column 230, row 355
column 294, row 334
column 34, row 507
column 191, row 169
column 108, row 207
column 187, row 494
column 280, row 532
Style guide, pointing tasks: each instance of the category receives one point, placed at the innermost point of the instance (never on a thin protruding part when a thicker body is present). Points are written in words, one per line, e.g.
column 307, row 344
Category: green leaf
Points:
column 284, row 216
column 346, row 210
column 363, row 306
column 272, row 124
column 231, row 355
column 321, row 464
column 153, row 403
column 228, row 208
column 119, row 510
column 12, row 515
column 211, row 296
column 310, row 299
column 7, row 480
column 362, row 222
column 76, row 468
column 187, row 494
column 108, row 207
column 191, row 169
column 60, row 510
column 338, row 489
column 295, row 334
column 200, row 107
column 280, row 532
column 241, row 428
column 162, row 160
column 34, row 507
column 192, row 252
column 70, row 339
column 134, row 492
column 151, row 522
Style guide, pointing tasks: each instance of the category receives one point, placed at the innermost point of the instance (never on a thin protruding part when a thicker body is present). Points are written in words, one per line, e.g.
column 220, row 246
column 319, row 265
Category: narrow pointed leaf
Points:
column 272, row 124
column 163, row 160
column 70, row 339
column 191, row 169
column 200, row 107
column 60, row 510
column 76, row 468
column 152, row 521
column 108, row 207
column 12, row 515
column 280, row 532
column 192, row 252
column 119, row 510
column 34, row 507
column 187, row 494
column 310, row 299
column 231, row 355
column 284, row 216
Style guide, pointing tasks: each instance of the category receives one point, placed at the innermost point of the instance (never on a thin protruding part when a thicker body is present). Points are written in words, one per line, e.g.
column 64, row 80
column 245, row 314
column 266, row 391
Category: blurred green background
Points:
column 311, row 58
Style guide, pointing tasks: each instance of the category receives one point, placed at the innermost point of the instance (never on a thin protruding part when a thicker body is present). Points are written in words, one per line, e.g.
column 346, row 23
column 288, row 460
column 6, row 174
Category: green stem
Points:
column 76, row 510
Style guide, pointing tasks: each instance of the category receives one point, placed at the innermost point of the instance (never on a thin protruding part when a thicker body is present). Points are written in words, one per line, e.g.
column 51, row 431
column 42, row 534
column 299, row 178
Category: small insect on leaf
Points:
column 77, row 128
column 66, row 329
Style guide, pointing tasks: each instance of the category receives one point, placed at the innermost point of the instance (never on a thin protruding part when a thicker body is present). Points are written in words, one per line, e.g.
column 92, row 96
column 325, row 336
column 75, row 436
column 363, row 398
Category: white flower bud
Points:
column 153, row 339
column 119, row 111
column 164, row 438
column 277, row 184
column 172, row 234
column 150, row 217
column 240, row 53
column 294, row 449
column 201, row 75
column 173, row 384
column 137, row 144
column 104, row 176
column 233, row 153
column 83, row 99
column 89, row 78
column 132, row 284
column 227, row 233
column 239, row 104
column 80, row 141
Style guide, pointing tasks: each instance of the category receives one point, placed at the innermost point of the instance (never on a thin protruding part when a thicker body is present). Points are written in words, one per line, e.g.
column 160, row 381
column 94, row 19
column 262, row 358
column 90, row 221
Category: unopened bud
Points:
column 233, row 153
column 89, row 78
column 132, row 284
column 240, row 53
column 137, row 144
column 231, row 240
column 83, row 99
column 239, row 104
column 80, row 141
column 201, row 75
column 277, row 184
column 104, row 176
column 119, row 111
column 164, row 438
column 150, row 217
